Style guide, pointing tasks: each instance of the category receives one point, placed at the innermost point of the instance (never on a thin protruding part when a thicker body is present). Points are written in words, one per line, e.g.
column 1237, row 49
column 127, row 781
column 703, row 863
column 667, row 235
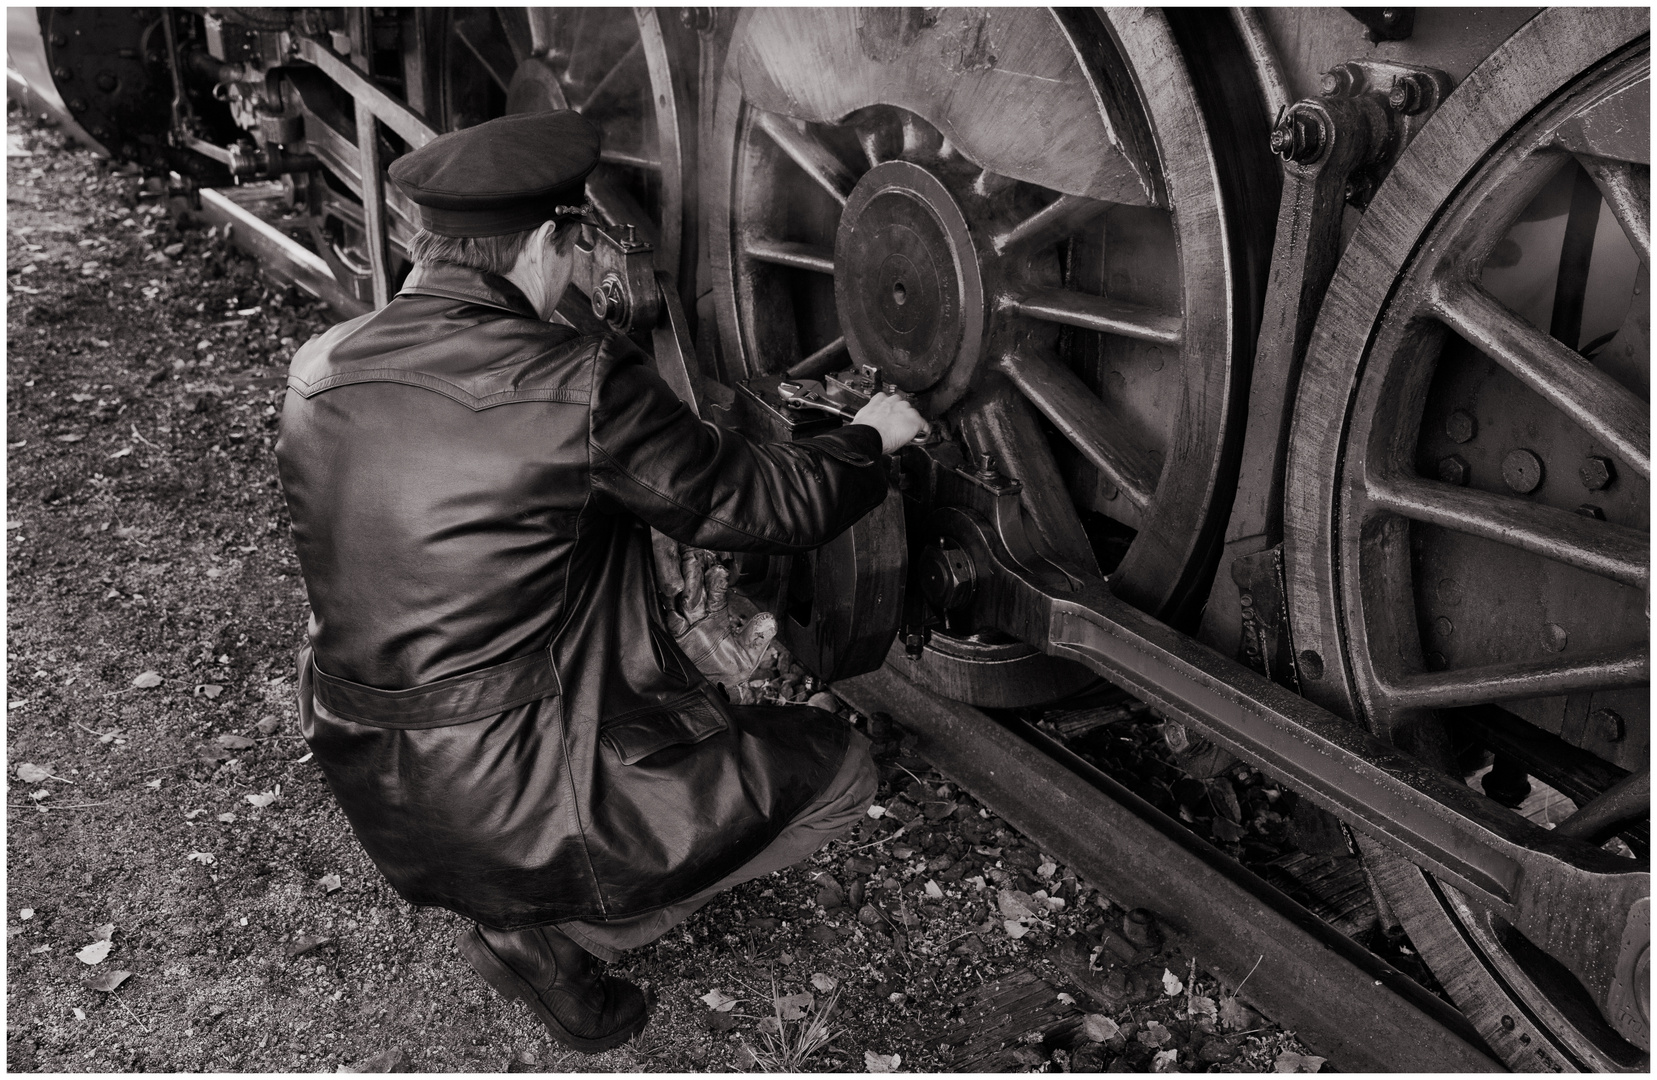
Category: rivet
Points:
column 1436, row 661
column 107, row 82
column 1522, row 470
column 1450, row 592
column 1311, row 664
column 1444, row 626
column 1461, row 426
column 1554, row 637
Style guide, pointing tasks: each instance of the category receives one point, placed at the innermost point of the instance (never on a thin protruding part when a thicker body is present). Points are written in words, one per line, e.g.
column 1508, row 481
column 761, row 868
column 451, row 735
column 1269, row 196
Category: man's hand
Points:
column 695, row 586
column 895, row 419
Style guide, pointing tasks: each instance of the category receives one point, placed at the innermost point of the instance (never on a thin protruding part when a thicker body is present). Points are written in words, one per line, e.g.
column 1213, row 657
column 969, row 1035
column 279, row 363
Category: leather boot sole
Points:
column 510, row 984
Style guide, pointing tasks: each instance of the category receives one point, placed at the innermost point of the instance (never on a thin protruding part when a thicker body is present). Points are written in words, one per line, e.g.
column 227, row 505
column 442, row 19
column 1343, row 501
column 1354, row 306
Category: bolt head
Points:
column 1607, row 724
column 1522, row 471
column 1461, row 426
column 1453, row 470
column 77, row 105
column 1597, row 473
column 1330, row 84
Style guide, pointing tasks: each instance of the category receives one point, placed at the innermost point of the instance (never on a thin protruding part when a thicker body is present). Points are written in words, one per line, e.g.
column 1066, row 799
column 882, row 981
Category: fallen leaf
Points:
column 234, row 742
column 31, row 774
column 1203, row 1008
column 1164, row 1061
column 329, row 882
column 1015, row 904
column 1288, row 1062
column 877, row 811
column 261, row 800
column 1047, row 869
column 28, row 913
column 1154, row 1034
column 795, row 1006
column 210, row 690
column 770, row 1025
column 391, row 1060
column 38, row 949
column 1015, row 929
column 1066, row 999
column 306, row 943
column 155, row 784
column 80, row 1014
column 227, row 818
column 1097, row 1027
column 823, row 983
column 94, row 953
column 934, row 891
column 191, row 815
column 205, row 858
column 1171, row 984
column 881, row 1063
column 1237, row 1016
column 148, row 680
column 745, row 1058
column 39, row 795
column 70, row 438
column 718, row 1000
column 108, row 981
column 106, row 932
column 267, row 725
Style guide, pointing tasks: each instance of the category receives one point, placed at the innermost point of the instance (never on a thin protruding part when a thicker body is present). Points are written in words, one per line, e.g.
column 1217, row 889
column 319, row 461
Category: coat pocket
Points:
column 636, row 736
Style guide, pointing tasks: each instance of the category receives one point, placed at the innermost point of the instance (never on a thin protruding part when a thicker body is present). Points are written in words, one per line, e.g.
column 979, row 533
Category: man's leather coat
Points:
column 488, row 687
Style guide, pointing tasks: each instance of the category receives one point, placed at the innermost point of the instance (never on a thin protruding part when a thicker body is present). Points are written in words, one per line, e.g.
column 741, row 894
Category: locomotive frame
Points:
column 1231, row 331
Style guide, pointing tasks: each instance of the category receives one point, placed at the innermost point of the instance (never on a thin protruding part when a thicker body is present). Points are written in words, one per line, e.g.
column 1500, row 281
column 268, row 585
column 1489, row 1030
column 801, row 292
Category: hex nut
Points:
column 1597, row 473
column 1608, row 725
column 946, row 577
column 1522, row 471
column 1461, row 426
column 1453, row 470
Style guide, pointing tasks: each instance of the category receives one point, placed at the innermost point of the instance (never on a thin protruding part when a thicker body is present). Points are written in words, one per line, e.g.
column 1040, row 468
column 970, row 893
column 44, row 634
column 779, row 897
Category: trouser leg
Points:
column 842, row 801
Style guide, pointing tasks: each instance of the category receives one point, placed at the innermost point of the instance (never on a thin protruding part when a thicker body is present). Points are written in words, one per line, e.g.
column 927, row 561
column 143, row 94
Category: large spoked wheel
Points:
column 628, row 69
column 1021, row 217
column 1468, row 481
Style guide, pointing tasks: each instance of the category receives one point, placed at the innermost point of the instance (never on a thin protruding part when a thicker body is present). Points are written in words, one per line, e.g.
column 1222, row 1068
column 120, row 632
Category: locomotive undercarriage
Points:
column 1338, row 456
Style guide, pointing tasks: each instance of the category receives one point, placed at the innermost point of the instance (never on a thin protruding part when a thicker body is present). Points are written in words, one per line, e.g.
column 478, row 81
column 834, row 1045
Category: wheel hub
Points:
column 911, row 300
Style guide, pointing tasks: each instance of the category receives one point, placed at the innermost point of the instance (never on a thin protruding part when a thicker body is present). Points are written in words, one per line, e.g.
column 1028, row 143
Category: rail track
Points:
column 1289, row 369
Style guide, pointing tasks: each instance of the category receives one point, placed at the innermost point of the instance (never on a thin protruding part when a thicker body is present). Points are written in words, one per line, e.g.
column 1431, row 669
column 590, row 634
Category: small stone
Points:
column 869, row 916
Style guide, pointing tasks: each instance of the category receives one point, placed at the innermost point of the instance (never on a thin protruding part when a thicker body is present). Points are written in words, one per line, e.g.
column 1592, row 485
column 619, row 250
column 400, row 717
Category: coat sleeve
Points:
column 711, row 487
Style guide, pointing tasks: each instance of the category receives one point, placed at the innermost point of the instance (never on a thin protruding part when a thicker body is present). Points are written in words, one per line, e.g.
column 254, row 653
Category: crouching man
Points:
column 488, row 686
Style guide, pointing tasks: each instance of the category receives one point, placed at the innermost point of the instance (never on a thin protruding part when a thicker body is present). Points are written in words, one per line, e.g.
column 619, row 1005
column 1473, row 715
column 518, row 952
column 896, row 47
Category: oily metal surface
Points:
column 1343, row 1002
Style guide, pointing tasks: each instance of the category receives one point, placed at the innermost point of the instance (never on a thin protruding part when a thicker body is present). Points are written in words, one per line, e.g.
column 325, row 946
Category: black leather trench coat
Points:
column 488, row 686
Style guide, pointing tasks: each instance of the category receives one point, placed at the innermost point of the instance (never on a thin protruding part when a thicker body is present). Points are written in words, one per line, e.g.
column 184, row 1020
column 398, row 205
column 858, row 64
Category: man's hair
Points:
column 486, row 254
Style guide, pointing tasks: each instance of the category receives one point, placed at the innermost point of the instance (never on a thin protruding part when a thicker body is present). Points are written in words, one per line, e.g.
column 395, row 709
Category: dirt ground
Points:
column 184, row 895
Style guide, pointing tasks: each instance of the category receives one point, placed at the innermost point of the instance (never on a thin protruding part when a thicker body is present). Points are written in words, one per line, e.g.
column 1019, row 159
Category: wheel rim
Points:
column 880, row 219
column 1411, row 594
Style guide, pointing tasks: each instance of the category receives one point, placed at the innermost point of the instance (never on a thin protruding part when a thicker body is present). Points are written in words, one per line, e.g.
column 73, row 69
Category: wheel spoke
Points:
column 1005, row 426
column 1087, row 422
column 469, row 33
column 810, row 154
column 820, row 361
column 1049, row 225
column 1611, row 669
column 1599, row 547
column 1629, row 799
column 1627, row 191
column 788, row 253
column 1099, row 313
column 632, row 58
column 632, row 161
column 1580, row 390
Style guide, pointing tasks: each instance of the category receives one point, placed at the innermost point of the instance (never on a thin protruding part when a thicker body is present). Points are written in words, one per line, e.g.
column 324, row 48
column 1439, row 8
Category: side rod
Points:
column 1577, row 902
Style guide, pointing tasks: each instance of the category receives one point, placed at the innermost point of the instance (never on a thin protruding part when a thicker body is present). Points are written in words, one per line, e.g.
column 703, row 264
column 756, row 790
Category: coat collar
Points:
column 463, row 283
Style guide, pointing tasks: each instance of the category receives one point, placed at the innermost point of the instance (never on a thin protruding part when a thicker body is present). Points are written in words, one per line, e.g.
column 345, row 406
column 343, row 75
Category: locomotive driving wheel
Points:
column 1024, row 219
column 1466, row 529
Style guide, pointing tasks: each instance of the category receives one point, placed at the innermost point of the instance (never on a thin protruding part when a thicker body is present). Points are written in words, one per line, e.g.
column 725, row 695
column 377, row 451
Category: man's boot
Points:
column 560, row 981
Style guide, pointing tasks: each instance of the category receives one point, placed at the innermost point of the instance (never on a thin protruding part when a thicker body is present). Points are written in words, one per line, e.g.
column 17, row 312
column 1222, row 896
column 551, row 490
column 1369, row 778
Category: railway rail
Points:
column 1288, row 368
